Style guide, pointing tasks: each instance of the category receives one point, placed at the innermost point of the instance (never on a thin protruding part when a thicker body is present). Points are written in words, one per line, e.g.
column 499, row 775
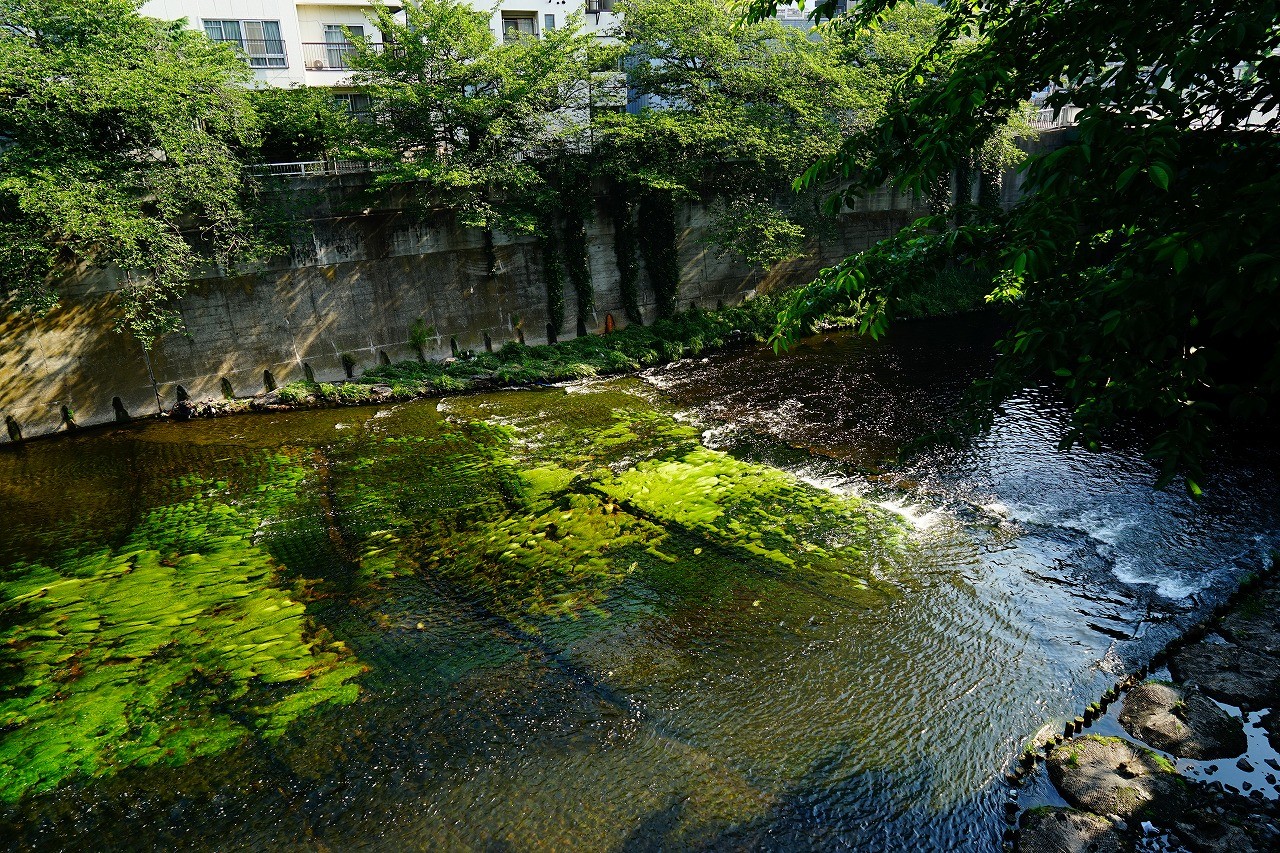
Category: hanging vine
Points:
column 579, row 267
column 552, row 274
column 658, row 248
column 625, row 250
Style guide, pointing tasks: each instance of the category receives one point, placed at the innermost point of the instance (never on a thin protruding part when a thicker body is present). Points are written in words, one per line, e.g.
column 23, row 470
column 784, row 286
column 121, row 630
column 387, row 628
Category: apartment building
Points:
column 791, row 15
column 293, row 43
column 286, row 43
column 512, row 18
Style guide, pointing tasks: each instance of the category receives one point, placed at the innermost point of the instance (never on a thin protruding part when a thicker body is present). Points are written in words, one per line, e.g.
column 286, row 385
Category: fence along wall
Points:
column 348, row 294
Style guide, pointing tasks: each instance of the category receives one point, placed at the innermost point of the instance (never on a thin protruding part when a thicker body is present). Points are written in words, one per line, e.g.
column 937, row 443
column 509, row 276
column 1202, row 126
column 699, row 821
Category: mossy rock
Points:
column 1255, row 622
column 1183, row 722
column 1056, row 830
column 1112, row 776
column 1233, row 674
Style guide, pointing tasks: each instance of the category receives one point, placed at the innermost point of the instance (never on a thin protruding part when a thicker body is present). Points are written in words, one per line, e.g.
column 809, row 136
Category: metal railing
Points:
column 330, row 56
column 313, row 168
column 883, row 198
column 1048, row 118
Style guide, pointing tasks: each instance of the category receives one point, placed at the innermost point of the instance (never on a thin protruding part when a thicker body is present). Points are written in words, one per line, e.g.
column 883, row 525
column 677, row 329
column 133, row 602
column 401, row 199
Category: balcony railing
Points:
column 330, row 56
column 313, row 168
column 261, row 53
column 1047, row 118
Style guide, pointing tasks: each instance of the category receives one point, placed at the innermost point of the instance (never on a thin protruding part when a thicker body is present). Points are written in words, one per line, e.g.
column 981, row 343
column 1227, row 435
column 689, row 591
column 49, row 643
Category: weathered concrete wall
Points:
column 354, row 284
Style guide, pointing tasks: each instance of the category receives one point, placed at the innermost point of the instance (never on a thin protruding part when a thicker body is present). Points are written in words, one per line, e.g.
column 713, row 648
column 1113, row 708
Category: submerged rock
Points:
column 1229, row 673
column 1182, row 721
column 1053, row 830
column 1109, row 775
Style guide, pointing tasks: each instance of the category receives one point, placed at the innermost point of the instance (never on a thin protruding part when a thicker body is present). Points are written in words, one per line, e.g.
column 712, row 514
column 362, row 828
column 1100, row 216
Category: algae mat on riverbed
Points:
column 177, row 645
column 227, row 604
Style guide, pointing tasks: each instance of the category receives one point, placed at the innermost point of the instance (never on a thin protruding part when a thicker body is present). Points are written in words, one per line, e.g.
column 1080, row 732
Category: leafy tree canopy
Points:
column 734, row 110
column 301, row 123
column 465, row 118
column 119, row 141
column 1141, row 267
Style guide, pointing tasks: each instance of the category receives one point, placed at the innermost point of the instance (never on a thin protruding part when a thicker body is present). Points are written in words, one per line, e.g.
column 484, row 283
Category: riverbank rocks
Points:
column 1256, row 623
column 1229, row 673
column 1206, row 833
column 1054, row 830
column 1111, row 776
column 1181, row 721
column 1271, row 724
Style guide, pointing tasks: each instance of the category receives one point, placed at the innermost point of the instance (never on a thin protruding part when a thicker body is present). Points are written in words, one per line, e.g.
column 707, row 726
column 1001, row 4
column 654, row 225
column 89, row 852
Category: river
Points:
column 708, row 607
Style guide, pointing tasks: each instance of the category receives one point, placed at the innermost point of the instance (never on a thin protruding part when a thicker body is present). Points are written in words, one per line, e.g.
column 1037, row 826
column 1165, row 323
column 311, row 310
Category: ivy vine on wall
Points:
column 579, row 267
column 552, row 275
column 658, row 248
column 625, row 249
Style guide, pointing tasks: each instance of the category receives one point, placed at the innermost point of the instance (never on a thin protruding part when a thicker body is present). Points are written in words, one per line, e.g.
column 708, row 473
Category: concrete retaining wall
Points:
column 357, row 278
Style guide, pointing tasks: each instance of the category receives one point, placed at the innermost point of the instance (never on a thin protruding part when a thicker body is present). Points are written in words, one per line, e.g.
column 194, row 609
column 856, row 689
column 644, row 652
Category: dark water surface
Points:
column 699, row 609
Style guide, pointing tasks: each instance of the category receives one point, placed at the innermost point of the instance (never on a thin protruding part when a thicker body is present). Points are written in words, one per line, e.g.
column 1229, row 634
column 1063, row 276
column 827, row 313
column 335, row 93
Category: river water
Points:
column 704, row 608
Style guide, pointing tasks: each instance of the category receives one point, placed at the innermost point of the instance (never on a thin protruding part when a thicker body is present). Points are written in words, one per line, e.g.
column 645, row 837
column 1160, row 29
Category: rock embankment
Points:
column 1126, row 796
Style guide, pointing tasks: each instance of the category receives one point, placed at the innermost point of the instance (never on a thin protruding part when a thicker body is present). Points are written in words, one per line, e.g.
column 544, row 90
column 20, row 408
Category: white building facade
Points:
column 290, row 43
column 286, row 43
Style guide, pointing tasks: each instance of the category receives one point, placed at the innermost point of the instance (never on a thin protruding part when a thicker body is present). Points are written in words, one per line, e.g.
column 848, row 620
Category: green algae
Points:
column 587, row 491
column 554, row 563
column 178, row 644
column 751, row 507
column 535, row 517
column 643, row 459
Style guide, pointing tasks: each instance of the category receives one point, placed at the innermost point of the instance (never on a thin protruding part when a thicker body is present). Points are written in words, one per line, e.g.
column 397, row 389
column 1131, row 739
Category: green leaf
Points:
column 1127, row 176
column 1160, row 174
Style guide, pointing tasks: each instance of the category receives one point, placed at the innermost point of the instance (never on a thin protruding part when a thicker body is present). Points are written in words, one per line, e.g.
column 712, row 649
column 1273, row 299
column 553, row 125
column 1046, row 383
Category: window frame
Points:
column 264, row 60
column 514, row 16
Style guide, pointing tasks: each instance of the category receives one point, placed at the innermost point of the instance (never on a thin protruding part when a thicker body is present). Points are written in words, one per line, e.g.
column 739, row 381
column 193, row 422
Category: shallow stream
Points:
column 700, row 608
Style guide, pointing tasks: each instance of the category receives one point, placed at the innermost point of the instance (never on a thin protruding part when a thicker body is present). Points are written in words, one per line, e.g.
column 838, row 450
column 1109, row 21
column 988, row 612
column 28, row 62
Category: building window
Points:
column 355, row 103
column 260, row 40
column 548, row 22
column 336, row 45
column 518, row 24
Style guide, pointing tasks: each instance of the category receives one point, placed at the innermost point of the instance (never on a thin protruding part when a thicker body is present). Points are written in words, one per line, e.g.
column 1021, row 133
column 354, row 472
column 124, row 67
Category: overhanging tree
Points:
column 120, row 143
column 1141, row 267
column 734, row 112
column 465, row 120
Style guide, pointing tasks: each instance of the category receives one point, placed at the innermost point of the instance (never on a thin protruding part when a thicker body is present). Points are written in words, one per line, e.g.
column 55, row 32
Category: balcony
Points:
column 330, row 56
column 260, row 53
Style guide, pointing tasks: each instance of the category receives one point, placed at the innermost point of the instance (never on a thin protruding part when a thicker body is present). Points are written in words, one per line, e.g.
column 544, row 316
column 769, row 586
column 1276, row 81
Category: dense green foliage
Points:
column 1139, row 268
column 301, row 123
column 458, row 110
column 733, row 112
column 120, row 147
